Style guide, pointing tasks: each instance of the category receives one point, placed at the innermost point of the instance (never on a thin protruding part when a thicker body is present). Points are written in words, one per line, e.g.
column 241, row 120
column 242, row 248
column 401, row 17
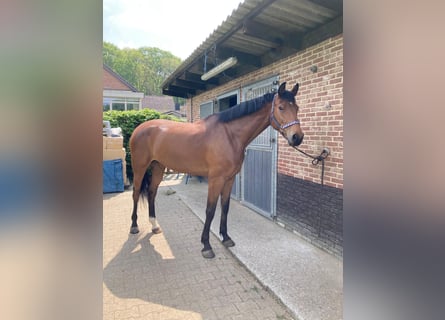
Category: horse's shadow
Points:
column 155, row 270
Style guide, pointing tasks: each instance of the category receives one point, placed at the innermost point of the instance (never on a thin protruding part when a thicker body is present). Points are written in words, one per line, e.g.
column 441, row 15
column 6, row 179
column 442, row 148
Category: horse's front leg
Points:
column 214, row 190
column 225, row 202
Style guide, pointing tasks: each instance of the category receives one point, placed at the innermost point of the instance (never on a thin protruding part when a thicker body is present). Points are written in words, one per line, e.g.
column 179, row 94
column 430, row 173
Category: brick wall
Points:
column 312, row 211
column 110, row 82
column 304, row 207
column 321, row 112
column 321, row 108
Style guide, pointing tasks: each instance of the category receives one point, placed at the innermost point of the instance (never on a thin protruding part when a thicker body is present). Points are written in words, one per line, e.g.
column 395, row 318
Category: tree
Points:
column 145, row 68
column 110, row 53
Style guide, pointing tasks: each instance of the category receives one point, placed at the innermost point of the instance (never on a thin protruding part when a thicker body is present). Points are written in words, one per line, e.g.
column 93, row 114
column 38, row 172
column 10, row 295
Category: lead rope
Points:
column 315, row 160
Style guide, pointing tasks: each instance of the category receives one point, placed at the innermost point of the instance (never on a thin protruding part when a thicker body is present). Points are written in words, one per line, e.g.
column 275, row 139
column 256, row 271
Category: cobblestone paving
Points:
column 164, row 276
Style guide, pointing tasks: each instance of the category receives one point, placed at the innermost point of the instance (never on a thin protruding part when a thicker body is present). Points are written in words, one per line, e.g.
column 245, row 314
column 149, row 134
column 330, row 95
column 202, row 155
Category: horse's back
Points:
column 174, row 144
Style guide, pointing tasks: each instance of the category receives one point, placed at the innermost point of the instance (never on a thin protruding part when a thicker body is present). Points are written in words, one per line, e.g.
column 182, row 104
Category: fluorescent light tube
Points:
column 219, row 68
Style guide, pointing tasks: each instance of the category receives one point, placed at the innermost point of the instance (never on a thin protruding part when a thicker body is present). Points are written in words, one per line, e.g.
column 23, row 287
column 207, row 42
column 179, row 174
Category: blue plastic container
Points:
column 113, row 179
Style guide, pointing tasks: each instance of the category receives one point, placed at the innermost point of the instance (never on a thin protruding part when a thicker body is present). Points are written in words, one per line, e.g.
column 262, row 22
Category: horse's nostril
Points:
column 297, row 140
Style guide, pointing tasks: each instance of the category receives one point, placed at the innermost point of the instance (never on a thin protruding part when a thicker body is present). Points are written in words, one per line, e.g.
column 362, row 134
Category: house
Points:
column 260, row 45
column 164, row 105
column 118, row 94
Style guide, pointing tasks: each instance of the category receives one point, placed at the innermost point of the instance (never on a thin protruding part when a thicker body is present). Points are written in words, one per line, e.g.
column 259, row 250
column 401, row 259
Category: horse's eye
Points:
column 281, row 107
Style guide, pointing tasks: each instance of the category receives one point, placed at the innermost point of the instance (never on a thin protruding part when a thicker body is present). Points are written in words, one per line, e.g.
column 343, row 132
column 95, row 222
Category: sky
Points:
column 177, row 26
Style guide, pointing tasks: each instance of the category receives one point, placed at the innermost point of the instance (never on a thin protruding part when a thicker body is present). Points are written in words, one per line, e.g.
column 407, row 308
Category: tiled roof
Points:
column 158, row 103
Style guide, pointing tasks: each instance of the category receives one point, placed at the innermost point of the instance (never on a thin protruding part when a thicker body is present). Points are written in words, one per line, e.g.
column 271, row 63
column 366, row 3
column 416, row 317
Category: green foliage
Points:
column 110, row 53
column 145, row 68
column 128, row 121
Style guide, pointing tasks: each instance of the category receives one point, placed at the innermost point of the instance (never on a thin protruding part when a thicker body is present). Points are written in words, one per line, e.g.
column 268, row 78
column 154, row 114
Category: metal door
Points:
column 258, row 178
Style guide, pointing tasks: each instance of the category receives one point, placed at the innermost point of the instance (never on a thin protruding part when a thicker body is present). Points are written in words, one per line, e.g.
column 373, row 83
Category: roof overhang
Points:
column 257, row 33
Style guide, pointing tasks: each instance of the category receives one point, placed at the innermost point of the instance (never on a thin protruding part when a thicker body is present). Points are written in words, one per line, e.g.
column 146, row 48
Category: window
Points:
column 132, row 104
column 120, row 104
column 227, row 100
column 106, row 104
column 205, row 109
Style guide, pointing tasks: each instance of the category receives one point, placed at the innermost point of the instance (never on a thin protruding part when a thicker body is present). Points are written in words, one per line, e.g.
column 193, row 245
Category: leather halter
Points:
column 274, row 122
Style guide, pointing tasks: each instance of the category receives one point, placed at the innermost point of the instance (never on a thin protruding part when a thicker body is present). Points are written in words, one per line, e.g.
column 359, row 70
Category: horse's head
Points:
column 283, row 116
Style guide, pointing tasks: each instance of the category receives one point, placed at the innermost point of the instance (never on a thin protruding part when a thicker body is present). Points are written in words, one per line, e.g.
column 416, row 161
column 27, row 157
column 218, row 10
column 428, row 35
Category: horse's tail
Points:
column 145, row 185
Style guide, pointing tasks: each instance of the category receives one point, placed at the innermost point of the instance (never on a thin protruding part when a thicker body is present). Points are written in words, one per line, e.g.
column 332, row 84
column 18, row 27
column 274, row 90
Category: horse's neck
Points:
column 249, row 127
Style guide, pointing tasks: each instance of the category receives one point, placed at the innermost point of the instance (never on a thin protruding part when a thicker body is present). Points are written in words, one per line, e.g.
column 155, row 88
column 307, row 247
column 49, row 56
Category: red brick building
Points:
column 274, row 42
column 118, row 94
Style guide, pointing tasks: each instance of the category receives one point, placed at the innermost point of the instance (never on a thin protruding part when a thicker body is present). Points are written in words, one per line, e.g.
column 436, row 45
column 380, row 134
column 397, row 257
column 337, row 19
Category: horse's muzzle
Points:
column 296, row 140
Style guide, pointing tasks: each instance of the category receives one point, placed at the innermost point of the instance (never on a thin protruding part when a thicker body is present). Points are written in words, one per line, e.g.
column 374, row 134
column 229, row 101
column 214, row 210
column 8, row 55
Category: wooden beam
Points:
column 259, row 31
column 336, row 5
column 330, row 29
column 195, row 77
column 243, row 57
column 175, row 93
column 181, row 89
column 189, row 84
column 278, row 39
column 258, row 40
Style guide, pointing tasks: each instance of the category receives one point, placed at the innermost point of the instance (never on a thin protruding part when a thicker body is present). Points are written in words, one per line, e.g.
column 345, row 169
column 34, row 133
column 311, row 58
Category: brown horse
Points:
column 212, row 147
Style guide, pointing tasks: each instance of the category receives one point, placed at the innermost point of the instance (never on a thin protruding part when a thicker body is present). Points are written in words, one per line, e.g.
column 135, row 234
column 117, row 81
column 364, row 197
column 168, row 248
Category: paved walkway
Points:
column 164, row 276
column 306, row 279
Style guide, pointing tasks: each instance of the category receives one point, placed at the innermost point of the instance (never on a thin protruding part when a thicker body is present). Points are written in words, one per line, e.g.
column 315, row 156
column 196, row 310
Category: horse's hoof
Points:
column 208, row 254
column 156, row 230
column 134, row 230
column 228, row 243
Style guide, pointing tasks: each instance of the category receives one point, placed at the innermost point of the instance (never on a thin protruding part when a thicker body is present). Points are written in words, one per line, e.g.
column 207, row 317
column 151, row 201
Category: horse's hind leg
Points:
column 138, row 179
column 157, row 173
column 225, row 202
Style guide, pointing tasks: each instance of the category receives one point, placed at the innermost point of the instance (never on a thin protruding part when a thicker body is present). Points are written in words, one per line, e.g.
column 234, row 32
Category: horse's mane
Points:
column 244, row 108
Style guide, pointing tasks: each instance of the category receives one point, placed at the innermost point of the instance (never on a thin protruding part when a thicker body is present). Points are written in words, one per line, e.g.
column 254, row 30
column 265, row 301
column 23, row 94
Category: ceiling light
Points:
column 219, row 68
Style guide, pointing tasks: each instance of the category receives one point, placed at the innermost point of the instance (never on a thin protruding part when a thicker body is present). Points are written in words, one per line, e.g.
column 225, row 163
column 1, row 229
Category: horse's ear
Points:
column 282, row 88
column 295, row 89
